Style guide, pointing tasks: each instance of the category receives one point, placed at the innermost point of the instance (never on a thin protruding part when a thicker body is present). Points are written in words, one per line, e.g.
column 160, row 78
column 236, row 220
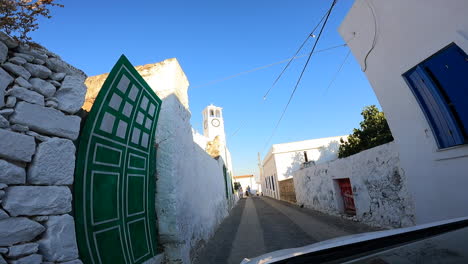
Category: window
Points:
column 273, row 182
column 440, row 85
column 211, row 113
column 218, row 113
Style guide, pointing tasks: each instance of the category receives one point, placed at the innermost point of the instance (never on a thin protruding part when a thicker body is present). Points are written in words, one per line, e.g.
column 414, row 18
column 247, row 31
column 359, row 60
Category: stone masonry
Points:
column 39, row 97
column 378, row 184
column 287, row 191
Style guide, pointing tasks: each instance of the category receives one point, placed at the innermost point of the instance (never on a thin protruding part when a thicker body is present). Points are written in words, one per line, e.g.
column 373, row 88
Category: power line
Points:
column 337, row 72
column 300, row 76
column 297, row 52
column 263, row 67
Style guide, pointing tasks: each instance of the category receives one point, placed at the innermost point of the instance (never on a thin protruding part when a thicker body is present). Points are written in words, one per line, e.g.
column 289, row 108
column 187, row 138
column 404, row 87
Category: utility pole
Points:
column 260, row 171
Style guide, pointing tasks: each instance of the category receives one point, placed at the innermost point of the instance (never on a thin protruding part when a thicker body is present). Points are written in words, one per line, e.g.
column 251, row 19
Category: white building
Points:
column 414, row 55
column 245, row 181
column 283, row 159
column 213, row 126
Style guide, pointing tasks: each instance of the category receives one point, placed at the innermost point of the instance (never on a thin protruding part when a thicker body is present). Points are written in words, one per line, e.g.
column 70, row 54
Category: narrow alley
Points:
column 258, row 225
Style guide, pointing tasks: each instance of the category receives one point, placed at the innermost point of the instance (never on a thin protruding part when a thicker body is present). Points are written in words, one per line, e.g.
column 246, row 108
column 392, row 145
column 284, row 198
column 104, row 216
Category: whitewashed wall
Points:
column 269, row 170
column 379, row 187
column 283, row 159
column 191, row 200
column 404, row 34
column 247, row 181
column 290, row 156
column 39, row 97
column 191, row 194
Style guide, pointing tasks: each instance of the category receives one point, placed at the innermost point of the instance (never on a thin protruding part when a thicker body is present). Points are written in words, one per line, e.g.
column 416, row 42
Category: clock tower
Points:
column 213, row 123
column 213, row 131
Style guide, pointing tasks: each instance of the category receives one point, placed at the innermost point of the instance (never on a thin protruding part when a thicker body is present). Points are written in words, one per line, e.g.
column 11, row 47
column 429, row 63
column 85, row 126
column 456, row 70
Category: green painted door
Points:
column 114, row 188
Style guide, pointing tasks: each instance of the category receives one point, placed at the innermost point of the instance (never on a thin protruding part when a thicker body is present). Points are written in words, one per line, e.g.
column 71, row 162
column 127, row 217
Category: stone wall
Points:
column 39, row 97
column 286, row 189
column 191, row 195
column 378, row 184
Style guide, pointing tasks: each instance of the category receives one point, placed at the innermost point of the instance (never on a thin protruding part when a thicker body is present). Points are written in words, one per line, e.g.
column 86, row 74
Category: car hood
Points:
column 274, row 256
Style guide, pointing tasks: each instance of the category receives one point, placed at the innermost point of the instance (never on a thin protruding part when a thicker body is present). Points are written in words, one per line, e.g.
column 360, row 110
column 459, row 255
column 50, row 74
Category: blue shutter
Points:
column 435, row 109
column 440, row 85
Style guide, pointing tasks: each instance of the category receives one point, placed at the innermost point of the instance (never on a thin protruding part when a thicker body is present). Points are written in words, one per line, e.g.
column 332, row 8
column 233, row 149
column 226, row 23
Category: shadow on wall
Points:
column 325, row 154
column 297, row 163
column 328, row 153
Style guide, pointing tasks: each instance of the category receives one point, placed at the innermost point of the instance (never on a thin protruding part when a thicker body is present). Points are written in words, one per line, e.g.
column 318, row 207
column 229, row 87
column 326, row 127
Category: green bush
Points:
column 374, row 131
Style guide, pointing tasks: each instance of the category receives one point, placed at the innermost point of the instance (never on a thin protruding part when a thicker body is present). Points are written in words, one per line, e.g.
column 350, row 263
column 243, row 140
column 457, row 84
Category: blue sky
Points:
column 215, row 39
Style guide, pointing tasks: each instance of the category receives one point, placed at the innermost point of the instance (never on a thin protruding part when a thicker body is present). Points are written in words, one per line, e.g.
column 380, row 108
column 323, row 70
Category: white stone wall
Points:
column 402, row 35
column 190, row 188
column 283, row 159
column 39, row 97
column 379, row 187
column 269, row 172
column 191, row 198
column 247, row 181
column 200, row 139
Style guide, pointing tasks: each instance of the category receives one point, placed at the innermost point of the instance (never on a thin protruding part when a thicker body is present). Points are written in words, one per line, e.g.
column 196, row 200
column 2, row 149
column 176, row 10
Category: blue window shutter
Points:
column 449, row 70
column 437, row 112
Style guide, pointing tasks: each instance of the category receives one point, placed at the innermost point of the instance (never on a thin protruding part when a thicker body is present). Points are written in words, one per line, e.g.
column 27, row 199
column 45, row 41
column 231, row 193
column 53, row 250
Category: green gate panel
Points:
column 114, row 191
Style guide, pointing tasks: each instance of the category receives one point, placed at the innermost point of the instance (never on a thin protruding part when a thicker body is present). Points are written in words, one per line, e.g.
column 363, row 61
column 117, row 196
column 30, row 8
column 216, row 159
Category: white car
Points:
column 438, row 242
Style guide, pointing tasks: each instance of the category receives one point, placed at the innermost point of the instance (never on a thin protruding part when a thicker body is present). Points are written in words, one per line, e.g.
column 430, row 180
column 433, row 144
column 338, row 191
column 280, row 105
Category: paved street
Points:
column 258, row 225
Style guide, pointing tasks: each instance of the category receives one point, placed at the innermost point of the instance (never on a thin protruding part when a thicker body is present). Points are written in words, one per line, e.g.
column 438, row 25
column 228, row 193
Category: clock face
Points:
column 215, row 122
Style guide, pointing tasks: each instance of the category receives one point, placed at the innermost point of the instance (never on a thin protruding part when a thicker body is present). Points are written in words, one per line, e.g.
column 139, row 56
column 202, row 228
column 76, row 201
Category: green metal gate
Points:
column 114, row 188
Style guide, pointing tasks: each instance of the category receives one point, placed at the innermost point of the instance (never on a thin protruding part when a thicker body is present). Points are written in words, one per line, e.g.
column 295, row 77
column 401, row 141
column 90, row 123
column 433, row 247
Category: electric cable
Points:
column 300, row 76
column 263, row 67
column 244, row 122
column 337, row 72
column 297, row 52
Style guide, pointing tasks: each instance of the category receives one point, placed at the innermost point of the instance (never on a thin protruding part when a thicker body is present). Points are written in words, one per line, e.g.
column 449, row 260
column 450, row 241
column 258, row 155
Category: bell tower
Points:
column 213, row 123
column 213, row 126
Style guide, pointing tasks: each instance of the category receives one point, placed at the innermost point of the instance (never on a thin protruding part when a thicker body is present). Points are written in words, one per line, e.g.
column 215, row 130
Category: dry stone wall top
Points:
column 40, row 96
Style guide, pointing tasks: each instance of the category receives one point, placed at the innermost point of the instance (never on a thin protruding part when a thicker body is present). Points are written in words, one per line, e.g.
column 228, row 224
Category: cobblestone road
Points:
column 258, row 225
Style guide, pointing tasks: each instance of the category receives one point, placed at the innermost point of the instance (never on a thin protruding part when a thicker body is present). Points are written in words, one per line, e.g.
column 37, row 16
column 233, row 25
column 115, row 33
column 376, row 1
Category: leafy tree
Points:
column 237, row 185
column 374, row 131
column 19, row 17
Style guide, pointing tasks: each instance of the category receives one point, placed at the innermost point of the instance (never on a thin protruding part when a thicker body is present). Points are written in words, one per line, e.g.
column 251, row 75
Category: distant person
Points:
column 241, row 192
column 248, row 191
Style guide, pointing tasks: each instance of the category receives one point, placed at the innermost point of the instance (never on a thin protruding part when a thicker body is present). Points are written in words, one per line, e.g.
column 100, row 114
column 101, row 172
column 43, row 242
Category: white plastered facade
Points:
column 388, row 38
column 283, row 159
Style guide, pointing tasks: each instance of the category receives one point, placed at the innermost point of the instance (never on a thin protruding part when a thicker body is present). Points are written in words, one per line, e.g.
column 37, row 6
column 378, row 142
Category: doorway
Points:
column 347, row 195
